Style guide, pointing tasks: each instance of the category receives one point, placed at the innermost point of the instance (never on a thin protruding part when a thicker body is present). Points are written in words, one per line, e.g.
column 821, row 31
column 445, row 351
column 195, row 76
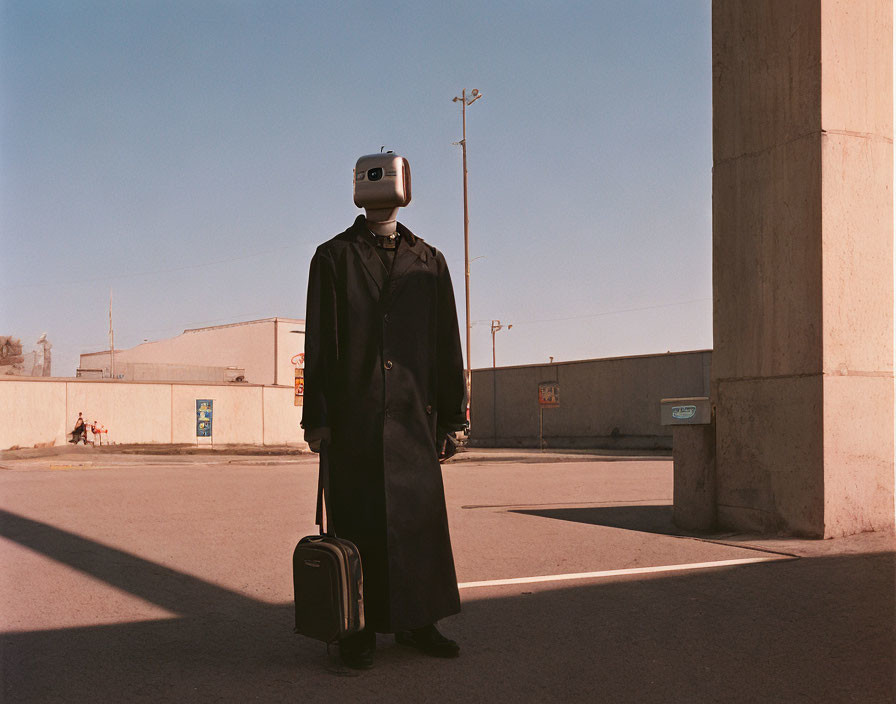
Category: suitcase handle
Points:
column 323, row 492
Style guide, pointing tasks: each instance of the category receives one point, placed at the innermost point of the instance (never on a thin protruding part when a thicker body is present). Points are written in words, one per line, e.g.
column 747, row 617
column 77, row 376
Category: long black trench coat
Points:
column 384, row 373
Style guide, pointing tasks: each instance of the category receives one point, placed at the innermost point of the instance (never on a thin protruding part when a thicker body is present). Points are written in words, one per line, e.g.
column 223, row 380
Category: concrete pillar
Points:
column 802, row 369
column 694, row 479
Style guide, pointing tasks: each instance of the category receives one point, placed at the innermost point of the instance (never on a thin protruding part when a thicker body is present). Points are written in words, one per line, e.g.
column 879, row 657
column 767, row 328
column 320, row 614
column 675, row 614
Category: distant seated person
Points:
column 80, row 429
column 97, row 429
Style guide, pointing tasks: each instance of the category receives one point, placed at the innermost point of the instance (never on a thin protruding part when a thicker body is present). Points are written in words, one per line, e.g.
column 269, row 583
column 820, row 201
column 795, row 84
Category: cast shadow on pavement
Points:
column 647, row 519
column 808, row 630
column 163, row 586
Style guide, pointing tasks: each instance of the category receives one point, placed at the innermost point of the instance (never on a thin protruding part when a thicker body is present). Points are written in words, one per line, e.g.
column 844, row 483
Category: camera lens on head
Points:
column 374, row 174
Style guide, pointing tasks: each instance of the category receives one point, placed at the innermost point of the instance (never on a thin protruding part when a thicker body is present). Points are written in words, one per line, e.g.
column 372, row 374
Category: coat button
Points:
column 429, row 410
column 386, row 318
column 388, row 364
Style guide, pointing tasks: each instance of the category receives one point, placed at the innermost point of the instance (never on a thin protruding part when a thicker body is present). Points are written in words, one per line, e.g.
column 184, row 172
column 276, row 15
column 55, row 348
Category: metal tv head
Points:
column 382, row 181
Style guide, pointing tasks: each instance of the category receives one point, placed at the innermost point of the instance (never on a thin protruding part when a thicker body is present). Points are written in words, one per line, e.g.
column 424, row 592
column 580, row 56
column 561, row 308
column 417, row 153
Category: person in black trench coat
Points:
column 383, row 388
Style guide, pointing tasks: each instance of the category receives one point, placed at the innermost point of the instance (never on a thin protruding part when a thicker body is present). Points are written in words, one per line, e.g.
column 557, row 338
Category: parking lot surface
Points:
column 168, row 579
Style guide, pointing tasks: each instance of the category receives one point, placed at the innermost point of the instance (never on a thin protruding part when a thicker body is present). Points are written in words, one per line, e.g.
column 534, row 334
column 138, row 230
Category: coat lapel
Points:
column 377, row 273
column 410, row 253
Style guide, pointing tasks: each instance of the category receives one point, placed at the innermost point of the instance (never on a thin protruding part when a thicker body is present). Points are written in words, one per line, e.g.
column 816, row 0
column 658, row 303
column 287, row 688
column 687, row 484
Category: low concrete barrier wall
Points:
column 604, row 403
column 41, row 411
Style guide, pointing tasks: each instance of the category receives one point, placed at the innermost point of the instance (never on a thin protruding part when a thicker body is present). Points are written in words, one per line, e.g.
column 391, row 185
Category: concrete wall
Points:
column 33, row 412
column 158, row 371
column 605, row 403
column 803, row 265
column 264, row 348
column 43, row 410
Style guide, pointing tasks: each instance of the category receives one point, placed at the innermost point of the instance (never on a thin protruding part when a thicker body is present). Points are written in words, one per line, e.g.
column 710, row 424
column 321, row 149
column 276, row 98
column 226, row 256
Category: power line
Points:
column 152, row 272
column 604, row 313
column 175, row 330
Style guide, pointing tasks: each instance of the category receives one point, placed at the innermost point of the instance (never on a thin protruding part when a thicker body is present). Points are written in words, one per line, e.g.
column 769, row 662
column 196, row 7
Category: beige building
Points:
column 246, row 370
column 263, row 352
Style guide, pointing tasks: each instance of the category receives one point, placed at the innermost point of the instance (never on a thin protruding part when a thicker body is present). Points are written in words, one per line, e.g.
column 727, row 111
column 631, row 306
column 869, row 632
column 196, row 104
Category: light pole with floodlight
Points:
column 464, row 102
column 496, row 325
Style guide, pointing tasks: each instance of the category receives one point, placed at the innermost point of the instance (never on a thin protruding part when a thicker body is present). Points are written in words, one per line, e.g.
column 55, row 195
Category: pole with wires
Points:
column 111, row 340
column 466, row 100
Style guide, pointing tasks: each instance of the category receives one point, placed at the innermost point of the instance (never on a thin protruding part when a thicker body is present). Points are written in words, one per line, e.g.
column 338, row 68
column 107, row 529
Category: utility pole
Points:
column 111, row 339
column 464, row 102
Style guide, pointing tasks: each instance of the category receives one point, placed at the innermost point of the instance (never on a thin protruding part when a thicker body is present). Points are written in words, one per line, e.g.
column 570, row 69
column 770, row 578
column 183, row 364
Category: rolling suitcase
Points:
column 327, row 576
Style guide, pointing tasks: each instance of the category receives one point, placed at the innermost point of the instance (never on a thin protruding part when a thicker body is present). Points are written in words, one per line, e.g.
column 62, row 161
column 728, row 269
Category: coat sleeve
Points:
column 321, row 343
column 451, row 396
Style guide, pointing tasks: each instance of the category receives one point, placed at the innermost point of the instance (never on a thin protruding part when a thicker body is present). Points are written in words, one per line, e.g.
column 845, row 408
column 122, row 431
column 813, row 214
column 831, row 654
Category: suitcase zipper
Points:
column 347, row 589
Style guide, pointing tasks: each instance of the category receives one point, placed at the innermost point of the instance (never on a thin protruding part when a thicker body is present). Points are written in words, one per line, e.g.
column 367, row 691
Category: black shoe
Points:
column 428, row 640
column 356, row 650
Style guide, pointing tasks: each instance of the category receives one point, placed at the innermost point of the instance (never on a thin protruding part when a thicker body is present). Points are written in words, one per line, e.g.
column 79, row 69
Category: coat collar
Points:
column 410, row 250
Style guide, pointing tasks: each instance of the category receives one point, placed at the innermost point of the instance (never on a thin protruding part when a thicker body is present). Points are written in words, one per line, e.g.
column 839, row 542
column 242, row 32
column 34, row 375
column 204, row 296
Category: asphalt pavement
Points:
column 166, row 578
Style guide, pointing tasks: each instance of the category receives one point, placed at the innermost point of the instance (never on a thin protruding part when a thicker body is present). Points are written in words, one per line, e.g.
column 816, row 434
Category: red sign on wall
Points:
column 300, row 385
column 549, row 394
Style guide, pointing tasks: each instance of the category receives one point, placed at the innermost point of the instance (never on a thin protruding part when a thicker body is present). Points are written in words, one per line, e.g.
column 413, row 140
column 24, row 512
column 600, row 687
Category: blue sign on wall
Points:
column 203, row 418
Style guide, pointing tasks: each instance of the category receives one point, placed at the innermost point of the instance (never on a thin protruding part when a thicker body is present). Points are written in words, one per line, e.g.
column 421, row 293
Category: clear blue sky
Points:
column 191, row 156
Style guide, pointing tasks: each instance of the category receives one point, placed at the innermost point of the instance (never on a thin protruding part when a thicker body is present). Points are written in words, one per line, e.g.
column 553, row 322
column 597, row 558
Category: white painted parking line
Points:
column 621, row 573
